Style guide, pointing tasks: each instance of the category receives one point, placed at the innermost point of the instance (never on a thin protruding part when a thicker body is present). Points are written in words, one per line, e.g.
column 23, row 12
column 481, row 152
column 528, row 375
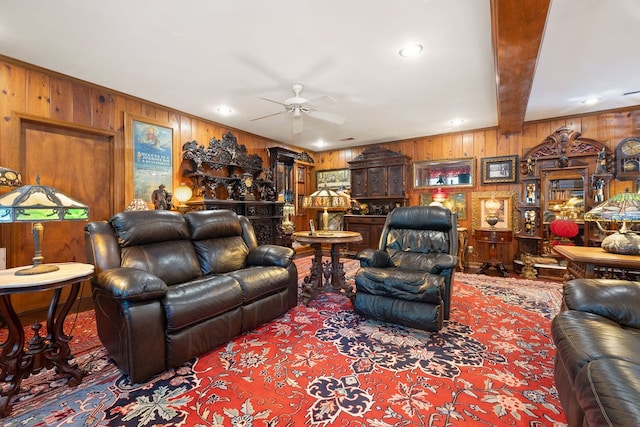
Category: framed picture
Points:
column 455, row 202
column 507, row 213
column 497, row 170
column 301, row 175
column 444, row 173
column 152, row 145
column 334, row 179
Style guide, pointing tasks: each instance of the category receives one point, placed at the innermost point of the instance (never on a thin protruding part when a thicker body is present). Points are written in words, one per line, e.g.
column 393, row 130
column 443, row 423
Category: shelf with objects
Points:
column 561, row 179
column 378, row 185
column 291, row 171
column 224, row 176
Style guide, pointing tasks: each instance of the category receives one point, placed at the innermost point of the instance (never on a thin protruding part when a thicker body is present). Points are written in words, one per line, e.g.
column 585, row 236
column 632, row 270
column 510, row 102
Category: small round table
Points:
column 42, row 352
column 333, row 271
column 494, row 237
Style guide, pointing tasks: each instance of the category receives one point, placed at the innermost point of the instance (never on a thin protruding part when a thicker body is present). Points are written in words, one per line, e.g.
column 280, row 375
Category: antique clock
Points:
column 628, row 158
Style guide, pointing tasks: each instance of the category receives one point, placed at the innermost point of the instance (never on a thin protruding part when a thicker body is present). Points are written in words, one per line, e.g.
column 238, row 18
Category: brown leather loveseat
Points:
column 170, row 287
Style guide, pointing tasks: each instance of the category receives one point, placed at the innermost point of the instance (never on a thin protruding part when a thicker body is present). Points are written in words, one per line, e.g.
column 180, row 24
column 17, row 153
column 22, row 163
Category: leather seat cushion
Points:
column 190, row 303
column 608, row 391
column 401, row 283
column 581, row 337
column 258, row 282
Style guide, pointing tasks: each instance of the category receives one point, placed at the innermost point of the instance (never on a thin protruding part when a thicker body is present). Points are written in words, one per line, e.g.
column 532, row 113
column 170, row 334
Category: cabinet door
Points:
column 358, row 183
column 377, row 181
column 396, row 181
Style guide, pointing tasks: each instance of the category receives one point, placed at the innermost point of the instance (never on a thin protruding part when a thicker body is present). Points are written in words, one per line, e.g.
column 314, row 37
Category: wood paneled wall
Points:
column 29, row 90
column 607, row 127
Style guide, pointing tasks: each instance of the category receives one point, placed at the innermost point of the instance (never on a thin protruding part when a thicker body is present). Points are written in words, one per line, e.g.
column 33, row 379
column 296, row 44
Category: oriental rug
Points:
column 322, row 365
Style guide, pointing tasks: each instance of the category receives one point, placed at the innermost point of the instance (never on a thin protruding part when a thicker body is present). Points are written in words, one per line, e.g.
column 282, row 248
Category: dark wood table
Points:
column 592, row 262
column 42, row 352
column 333, row 272
column 493, row 237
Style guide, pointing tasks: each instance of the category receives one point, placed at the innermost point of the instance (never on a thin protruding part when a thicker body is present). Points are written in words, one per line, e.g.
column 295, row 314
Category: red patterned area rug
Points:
column 322, row 365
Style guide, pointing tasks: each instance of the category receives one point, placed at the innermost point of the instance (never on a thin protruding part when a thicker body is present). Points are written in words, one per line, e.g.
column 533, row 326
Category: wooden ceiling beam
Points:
column 517, row 28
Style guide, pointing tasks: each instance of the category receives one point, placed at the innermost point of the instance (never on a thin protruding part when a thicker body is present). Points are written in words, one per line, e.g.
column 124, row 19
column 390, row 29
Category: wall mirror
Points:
column 444, row 173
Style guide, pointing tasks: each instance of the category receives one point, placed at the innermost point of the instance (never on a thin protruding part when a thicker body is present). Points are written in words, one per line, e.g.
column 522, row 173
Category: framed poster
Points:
column 152, row 144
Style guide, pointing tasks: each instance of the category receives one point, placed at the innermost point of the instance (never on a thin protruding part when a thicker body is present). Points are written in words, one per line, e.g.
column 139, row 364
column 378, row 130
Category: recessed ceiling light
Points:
column 456, row 122
column 224, row 110
column 411, row 50
column 591, row 101
column 320, row 143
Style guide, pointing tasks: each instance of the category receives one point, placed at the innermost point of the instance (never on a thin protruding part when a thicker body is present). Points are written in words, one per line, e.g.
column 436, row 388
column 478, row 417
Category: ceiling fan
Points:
column 299, row 106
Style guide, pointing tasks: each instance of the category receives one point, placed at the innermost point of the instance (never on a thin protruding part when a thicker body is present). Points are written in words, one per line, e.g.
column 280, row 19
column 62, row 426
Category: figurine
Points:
column 531, row 193
column 598, row 196
column 602, row 161
column 161, row 198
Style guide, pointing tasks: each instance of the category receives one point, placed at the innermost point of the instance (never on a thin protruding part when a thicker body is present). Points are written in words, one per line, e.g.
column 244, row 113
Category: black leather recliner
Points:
column 408, row 280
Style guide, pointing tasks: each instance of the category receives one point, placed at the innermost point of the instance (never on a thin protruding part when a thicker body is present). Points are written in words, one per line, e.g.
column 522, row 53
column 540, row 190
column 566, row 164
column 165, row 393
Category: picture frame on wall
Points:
column 455, row 202
column 152, row 144
column 507, row 214
column 334, row 179
column 499, row 170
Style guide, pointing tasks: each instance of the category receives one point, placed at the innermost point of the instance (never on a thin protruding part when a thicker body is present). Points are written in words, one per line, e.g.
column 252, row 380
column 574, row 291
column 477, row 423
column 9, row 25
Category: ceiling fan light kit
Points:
column 298, row 106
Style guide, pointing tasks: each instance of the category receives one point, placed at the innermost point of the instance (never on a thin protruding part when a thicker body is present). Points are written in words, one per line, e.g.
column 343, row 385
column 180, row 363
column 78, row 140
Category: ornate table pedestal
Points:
column 42, row 352
column 326, row 276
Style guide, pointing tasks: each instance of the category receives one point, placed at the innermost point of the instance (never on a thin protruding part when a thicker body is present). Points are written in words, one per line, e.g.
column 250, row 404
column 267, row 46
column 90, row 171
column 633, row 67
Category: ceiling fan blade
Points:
column 321, row 99
column 272, row 100
column 296, row 125
column 268, row 115
column 327, row 117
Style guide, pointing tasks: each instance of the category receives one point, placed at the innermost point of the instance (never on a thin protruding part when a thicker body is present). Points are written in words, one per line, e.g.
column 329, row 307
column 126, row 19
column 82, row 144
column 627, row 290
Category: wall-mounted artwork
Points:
column 506, row 213
column 444, row 173
column 455, row 202
column 152, row 144
column 499, row 170
column 334, row 179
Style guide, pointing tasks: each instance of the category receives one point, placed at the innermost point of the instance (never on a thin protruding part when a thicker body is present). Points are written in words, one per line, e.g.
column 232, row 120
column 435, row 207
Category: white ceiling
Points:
column 195, row 56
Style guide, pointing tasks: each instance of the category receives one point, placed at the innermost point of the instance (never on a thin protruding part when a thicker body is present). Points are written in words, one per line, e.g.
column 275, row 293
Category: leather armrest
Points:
column 618, row 300
column 373, row 258
column 130, row 284
column 271, row 255
column 443, row 262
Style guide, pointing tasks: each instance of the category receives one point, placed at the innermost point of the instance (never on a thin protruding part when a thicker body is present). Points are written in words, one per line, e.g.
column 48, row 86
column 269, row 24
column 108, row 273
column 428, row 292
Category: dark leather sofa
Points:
column 597, row 367
column 170, row 287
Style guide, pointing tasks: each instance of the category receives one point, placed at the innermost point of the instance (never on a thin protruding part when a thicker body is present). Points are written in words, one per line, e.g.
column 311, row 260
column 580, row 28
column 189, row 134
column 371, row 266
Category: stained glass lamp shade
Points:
column 37, row 204
column 624, row 208
column 324, row 199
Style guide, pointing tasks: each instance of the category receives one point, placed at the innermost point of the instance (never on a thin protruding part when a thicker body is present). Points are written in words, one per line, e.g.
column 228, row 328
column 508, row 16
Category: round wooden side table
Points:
column 333, row 272
column 42, row 352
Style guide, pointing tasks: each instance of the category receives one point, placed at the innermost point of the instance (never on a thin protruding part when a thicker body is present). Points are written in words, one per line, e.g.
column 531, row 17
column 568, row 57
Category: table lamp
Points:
column 182, row 194
column 324, row 199
column 137, row 204
column 37, row 204
column 493, row 207
column 625, row 208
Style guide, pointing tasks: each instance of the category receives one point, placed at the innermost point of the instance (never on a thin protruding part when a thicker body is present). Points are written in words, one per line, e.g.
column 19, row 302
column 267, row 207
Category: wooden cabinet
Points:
column 562, row 178
column 378, row 184
column 370, row 226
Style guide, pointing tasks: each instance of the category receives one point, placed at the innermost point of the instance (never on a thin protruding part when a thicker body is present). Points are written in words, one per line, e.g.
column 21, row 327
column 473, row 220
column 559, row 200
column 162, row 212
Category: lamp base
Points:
column 622, row 243
column 37, row 269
